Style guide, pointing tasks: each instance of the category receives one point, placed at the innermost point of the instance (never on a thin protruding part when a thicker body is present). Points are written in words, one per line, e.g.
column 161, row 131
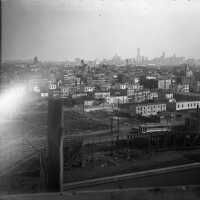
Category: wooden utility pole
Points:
column 55, row 146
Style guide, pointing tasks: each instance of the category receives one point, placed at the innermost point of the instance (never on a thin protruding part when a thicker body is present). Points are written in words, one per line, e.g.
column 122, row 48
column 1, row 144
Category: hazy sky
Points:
column 65, row 29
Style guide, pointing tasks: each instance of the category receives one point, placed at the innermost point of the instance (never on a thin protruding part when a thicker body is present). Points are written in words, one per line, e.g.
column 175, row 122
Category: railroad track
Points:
column 19, row 151
column 15, row 155
column 186, row 174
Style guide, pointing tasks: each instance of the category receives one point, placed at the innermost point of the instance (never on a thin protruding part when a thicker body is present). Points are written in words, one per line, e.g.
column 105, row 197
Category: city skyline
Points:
column 162, row 56
column 63, row 30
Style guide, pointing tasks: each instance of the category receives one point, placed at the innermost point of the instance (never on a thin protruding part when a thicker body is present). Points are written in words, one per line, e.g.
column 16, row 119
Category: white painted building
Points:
column 150, row 109
column 142, row 109
column 101, row 95
column 89, row 89
column 44, row 94
column 187, row 105
column 117, row 99
column 183, row 105
column 123, row 86
column 135, row 87
column 169, row 95
column 52, row 86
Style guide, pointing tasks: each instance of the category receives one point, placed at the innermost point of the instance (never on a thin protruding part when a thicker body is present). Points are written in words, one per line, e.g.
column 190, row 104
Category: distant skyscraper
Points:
column 127, row 61
column 35, row 60
column 163, row 54
column 82, row 63
column 138, row 58
column 116, row 60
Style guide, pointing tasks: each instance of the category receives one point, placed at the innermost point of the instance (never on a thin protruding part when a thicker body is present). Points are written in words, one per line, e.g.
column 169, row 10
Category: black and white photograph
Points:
column 100, row 100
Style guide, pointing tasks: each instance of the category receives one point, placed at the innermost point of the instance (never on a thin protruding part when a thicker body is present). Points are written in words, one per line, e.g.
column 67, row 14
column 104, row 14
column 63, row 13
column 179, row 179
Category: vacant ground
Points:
column 78, row 122
column 107, row 165
column 27, row 178
column 33, row 124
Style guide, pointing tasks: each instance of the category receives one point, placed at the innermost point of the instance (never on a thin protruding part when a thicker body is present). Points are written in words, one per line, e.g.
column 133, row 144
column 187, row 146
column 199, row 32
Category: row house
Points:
column 135, row 87
column 123, row 86
column 78, row 95
column 183, row 105
column 142, row 109
column 144, row 95
column 117, row 100
column 52, row 86
column 101, row 95
column 150, row 109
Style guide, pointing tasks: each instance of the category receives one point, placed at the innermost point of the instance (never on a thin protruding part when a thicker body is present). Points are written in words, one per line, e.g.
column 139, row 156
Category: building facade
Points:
column 183, row 105
column 145, row 110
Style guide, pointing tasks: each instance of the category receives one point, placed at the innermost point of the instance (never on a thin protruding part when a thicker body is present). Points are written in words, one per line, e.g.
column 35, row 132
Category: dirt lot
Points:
column 27, row 177
column 102, row 164
column 113, row 164
column 77, row 122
